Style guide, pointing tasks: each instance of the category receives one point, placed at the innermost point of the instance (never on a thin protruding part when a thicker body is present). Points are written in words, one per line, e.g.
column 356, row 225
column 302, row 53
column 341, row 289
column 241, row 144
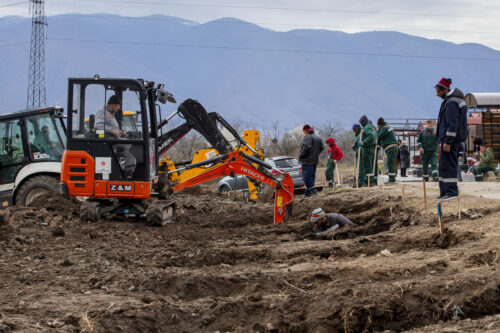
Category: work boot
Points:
column 331, row 184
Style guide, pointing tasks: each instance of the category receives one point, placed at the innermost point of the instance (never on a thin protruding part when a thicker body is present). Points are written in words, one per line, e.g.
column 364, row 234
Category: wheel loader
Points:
column 31, row 145
column 97, row 163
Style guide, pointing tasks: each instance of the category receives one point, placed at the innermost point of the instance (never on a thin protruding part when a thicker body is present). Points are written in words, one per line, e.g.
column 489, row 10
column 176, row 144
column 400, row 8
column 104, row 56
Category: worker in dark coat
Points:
column 387, row 140
column 427, row 144
column 327, row 222
column 451, row 131
column 367, row 144
column 404, row 155
column 311, row 147
column 476, row 143
column 334, row 155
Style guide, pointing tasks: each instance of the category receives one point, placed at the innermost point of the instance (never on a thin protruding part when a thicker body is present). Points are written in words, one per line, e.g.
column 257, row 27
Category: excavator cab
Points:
column 105, row 159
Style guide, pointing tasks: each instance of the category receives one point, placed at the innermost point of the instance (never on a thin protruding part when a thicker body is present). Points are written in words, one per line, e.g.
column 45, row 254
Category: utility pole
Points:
column 36, row 81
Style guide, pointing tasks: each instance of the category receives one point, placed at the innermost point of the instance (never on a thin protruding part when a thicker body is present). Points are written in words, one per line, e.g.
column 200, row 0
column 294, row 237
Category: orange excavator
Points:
column 118, row 170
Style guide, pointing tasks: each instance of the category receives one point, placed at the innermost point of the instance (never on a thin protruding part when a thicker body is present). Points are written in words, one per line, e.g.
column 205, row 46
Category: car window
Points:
column 286, row 163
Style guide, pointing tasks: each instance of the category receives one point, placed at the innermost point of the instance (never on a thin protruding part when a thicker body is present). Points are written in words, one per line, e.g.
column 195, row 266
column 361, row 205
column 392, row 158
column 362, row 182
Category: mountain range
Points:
column 248, row 73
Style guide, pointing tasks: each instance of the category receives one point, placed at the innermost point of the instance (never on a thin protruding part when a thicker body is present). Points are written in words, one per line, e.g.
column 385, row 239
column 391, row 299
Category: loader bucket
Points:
column 283, row 200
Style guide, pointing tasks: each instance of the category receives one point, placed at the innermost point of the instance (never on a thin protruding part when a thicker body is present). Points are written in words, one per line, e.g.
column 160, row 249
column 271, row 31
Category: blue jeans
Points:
column 309, row 176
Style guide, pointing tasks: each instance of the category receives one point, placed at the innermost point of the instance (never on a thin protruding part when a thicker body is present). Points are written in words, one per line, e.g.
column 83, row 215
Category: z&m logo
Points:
column 120, row 188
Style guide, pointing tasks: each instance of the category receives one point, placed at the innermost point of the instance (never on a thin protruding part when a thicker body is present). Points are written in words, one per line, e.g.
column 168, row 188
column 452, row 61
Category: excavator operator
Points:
column 105, row 122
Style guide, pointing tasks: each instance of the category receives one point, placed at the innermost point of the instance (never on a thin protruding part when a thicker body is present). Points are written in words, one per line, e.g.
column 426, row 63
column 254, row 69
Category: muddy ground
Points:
column 222, row 266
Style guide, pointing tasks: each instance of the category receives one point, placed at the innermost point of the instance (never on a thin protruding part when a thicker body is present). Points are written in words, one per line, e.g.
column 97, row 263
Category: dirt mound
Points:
column 56, row 203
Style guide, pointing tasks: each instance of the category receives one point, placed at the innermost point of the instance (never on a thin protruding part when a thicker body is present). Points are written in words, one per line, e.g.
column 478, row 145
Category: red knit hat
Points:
column 445, row 83
column 307, row 128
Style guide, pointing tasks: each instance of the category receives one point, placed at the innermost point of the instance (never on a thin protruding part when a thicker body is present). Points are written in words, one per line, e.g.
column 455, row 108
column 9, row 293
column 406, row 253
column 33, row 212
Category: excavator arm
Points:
column 239, row 163
column 198, row 119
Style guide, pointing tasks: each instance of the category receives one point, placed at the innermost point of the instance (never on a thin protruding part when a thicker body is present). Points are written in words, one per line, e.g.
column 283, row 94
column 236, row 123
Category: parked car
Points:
column 282, row 163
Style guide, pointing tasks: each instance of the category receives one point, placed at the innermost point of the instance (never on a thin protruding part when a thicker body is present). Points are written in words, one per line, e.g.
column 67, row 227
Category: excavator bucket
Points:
column 283, row 200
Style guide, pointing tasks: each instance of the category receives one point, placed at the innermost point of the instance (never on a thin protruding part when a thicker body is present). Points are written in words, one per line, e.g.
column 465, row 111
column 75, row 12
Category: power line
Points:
column 279, row 24
column 13, row 44
column 320, row 52
column 14, row 4
column 286, row 8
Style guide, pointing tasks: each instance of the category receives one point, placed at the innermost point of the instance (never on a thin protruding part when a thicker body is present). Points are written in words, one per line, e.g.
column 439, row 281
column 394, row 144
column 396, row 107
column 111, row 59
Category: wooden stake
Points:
column 338, row 174
column 440, row 219
column 425, row 194
column 459, row 208
column 359, row 157
column 403, row 191
column 375, row 160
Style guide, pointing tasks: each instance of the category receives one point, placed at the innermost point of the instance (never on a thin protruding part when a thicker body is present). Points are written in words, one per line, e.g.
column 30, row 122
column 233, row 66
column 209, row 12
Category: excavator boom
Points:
column 239, row 163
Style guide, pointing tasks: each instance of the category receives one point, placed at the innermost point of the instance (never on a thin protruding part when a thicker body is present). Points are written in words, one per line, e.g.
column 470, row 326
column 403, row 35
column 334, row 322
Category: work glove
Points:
column 360, row 143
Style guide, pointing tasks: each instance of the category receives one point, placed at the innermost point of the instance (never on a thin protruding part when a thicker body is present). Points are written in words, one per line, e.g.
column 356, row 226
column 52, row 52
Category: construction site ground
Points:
column 223, row 266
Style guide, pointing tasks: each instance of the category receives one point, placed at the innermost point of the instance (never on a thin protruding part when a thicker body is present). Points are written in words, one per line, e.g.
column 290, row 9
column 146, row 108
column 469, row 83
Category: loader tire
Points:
column 34, row 188
column 89, row 211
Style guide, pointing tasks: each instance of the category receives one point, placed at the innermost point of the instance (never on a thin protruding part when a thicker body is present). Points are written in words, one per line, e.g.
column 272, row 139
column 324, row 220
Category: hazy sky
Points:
column 459, row 21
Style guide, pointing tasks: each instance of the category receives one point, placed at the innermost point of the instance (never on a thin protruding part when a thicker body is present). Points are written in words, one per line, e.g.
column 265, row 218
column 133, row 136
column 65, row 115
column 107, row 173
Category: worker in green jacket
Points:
column 356, row 128
column 367, row 144
column 387, row 140
column 427, row 143
column 486, row 164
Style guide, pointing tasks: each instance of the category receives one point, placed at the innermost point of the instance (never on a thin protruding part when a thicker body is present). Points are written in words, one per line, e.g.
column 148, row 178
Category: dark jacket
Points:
column 448, row 125
column 427, row 140
column 332, row 220
column 404, row 155
column 477, row 144
column 311, row 147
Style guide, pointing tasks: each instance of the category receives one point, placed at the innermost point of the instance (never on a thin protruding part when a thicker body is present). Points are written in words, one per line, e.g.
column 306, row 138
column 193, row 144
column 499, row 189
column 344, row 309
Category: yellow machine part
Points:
column 252, row 137
column 199, row 155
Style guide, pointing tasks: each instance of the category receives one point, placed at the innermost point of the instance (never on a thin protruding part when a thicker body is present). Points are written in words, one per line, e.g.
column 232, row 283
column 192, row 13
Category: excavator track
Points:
column 160, row 213
column 89, row 211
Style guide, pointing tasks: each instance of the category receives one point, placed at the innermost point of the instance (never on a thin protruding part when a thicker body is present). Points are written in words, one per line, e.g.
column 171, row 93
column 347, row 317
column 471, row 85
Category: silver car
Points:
column 281, row 163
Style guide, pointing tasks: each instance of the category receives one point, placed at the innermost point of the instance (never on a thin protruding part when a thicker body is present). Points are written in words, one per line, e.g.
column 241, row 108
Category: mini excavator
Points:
column 118, row 171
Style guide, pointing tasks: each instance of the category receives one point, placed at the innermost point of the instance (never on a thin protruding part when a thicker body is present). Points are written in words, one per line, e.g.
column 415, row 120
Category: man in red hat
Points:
column 311, row 147
column 451, row 131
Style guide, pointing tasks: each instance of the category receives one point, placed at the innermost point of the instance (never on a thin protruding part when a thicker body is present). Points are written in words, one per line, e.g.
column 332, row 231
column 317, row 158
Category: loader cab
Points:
column 31, row 145
column 106, row 146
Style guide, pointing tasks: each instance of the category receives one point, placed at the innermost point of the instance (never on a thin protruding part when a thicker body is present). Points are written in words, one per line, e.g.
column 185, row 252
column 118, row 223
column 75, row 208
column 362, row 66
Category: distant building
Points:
column 484, row 120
